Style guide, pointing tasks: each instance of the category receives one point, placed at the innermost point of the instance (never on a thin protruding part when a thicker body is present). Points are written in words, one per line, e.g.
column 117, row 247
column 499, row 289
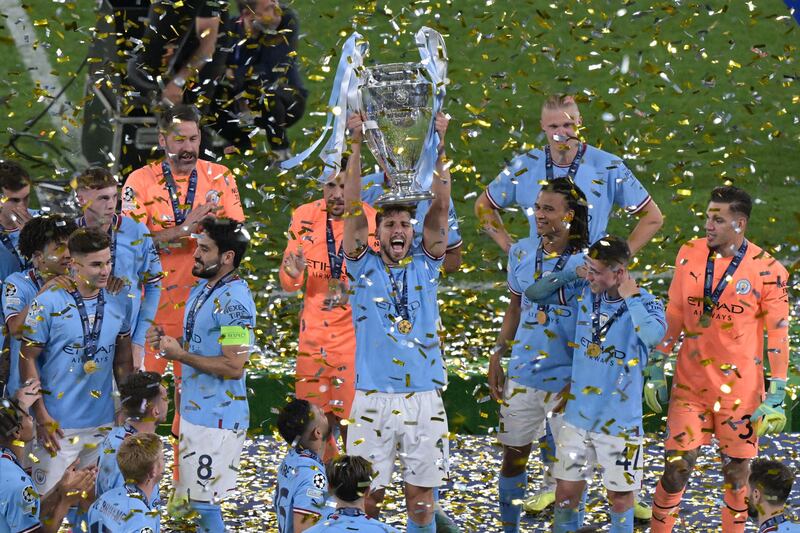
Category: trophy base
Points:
column 403, row 197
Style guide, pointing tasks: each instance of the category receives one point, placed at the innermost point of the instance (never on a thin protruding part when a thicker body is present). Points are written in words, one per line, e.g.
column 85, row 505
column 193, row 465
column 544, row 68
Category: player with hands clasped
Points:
column 538, row 337
column 725, row 293
column 217, row 337
column 617, row 324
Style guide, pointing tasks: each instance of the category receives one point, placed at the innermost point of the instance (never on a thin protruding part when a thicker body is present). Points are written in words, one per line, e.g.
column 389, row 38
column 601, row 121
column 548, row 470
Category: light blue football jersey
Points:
column 373, row 187
column 19, row 290
column 10, row 258
column 608, row 387
column 346, row 520
column 75, row 398
column 136, row 261
column 388, row 360
column 108, row 474
column 541, row 356
column 302, row 488
column 603, row 178
column 123, row 510
column 208, row 400
column 19, row 501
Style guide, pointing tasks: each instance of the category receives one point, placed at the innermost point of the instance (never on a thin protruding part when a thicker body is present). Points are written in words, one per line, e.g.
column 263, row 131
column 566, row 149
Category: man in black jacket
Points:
column 263, row 88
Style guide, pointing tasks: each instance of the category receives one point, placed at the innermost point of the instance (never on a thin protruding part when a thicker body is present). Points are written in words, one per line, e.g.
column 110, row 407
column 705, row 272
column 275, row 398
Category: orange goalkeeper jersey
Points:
column 321, row 329
column 725, row 361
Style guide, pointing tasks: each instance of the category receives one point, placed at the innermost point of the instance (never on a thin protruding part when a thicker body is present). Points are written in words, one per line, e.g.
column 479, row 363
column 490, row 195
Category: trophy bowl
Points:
column 396, row 100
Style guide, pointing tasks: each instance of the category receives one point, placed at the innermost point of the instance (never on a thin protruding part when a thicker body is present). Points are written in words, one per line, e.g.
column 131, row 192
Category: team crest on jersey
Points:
column 39, row 476
column 320, row 481
column 212, row 197
column 743, row 287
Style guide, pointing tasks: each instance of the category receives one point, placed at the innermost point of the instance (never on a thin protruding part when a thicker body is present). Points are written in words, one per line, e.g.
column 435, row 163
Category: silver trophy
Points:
column 396, row 100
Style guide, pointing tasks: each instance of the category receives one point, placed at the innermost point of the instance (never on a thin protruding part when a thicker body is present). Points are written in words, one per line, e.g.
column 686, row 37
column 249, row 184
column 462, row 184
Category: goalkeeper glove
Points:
column 770, row 416
column 655, row 385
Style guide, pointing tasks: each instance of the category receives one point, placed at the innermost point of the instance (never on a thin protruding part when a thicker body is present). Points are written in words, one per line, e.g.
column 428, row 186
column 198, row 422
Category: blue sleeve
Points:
column 356, row 266
column 310, row 492
column 502, row 191
column 236, row 311
column 547, row 289
column 629, row 193
column 147, row 312
column 21, row 506
column 453, row 232
column 37, row 322
column 514, row 257
column 14, row 299
column 647, row 315
column 371, row 187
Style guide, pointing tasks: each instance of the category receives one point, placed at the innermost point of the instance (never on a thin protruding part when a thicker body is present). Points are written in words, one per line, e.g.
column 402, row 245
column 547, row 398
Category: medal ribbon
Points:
column 113, row 229
column 335, row 259
column 6, row 240
column 34, row 276
column 172, row 189
column 399, row 297
column 90, row 337
column 562, row 261
column 597, row 331
column 710, row 299
column 573, row 167
column 770, row 522
column 188, row 330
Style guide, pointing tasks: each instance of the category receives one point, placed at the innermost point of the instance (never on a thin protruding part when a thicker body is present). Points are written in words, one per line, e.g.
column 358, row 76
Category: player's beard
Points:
column 752, row 510
column 205, row 272
column 183, row 161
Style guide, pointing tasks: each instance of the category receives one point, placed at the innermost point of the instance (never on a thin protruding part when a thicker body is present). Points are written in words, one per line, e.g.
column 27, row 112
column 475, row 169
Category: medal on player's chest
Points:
column 90, row 366
column 541, row 317
column 399, row 297
column 91, row 327
column 593, row 350
column 711, row 298
column 404, row 326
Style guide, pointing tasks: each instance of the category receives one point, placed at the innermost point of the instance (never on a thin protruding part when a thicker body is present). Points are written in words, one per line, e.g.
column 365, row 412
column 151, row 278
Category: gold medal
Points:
column 705, row 320
column 541, row 317
column 90, row 366
column 593, row 349
column 404, row 327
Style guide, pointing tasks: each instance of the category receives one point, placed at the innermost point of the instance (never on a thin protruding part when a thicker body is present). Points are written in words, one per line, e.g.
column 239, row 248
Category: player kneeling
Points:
column 127, row 509
column 350, row 477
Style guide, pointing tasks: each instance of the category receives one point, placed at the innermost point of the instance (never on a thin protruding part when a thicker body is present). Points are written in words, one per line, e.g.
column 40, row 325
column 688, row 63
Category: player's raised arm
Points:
column 491, row 222
column 650, row 221
column 356, row 228
column 435, row 227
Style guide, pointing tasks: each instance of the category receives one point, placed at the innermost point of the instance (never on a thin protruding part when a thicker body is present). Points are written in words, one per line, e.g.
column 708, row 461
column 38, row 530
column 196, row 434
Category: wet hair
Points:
column 294, row 419
column 773, row 478
column 13, row 176
column 229, row 236
column 41, row 231
column 85, row 241
column 349, row 477
column 391, row 209
column 611, row 250
column 737, row 199
column 576, row 201
column 137, row 390
column 10, row 417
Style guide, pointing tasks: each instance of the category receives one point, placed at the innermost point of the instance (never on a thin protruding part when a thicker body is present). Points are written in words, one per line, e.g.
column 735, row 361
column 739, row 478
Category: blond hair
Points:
column 137, row 455
column 559, row 101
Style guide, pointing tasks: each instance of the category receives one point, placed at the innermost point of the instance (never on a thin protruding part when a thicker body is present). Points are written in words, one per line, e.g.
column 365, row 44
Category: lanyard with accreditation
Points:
column 710, row 299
